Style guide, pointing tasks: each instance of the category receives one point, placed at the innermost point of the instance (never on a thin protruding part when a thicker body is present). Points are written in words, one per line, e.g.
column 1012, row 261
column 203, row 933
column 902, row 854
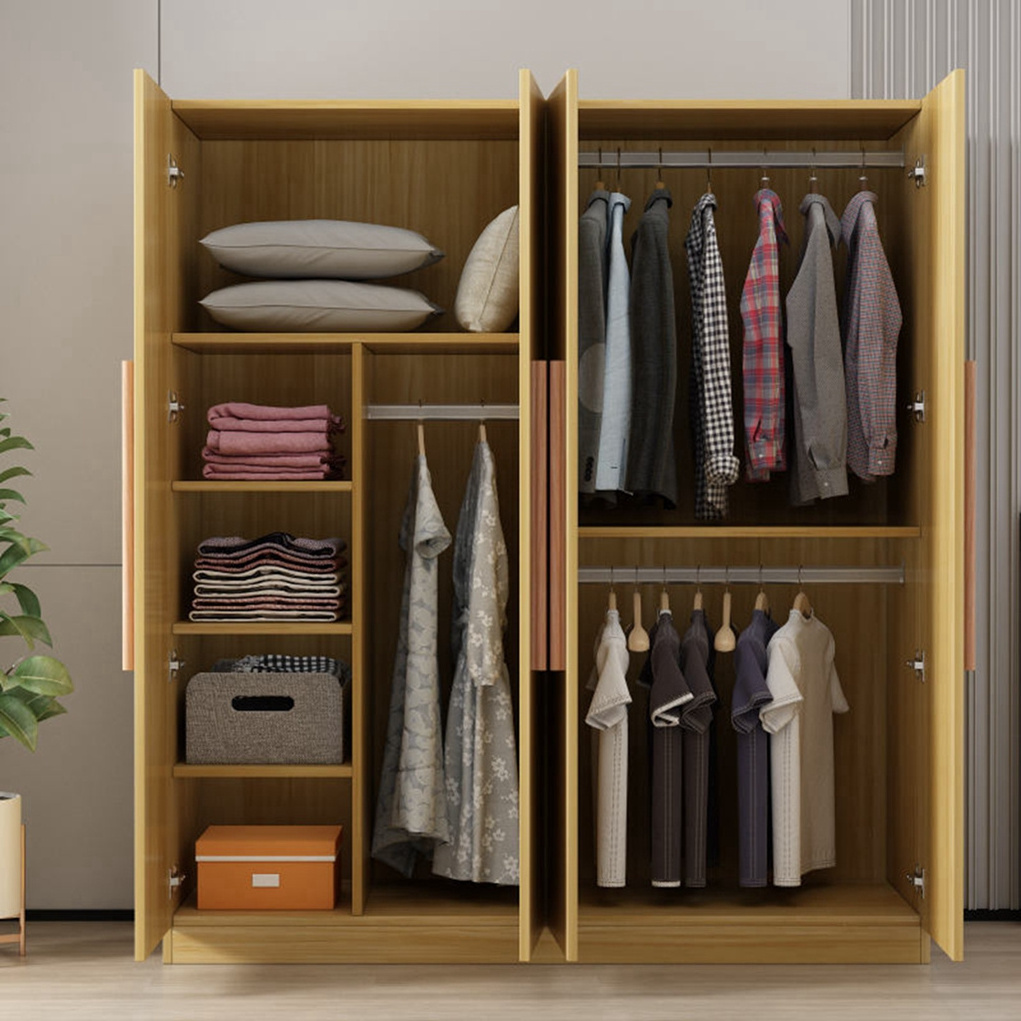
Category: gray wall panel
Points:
column 901, row 49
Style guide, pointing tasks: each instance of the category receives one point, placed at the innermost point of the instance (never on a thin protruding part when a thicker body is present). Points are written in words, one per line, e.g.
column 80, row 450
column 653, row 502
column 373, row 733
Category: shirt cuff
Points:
column 831, row 481
column 722, row 469
column 882, row 456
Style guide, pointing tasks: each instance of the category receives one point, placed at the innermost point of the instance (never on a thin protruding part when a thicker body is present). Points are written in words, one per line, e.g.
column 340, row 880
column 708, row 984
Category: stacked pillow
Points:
column 318, row 270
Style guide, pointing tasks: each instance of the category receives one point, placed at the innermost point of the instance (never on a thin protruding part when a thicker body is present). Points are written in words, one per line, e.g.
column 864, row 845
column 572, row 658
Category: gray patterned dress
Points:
column 411, row 810
column 481, row 758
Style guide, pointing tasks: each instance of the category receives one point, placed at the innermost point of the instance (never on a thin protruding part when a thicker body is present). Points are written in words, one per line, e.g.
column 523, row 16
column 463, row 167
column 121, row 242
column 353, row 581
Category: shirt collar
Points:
column 849, row 221
column 832, row 223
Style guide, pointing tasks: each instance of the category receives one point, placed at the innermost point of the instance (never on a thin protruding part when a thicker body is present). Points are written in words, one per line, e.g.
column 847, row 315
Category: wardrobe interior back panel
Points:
column 391, row 452
column 446, row 190
column 857, row 616
column 885, row 502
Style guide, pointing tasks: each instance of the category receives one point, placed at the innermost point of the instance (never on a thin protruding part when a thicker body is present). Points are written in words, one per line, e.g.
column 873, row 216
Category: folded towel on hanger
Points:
column 231, row 441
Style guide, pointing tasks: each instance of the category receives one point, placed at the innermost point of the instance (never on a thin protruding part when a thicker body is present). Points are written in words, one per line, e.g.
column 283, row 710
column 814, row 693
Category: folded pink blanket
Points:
column 255, row 616
column 238, row 409
column 228, row 474
column 313, row 460
column 234, row 442
column 276, row 425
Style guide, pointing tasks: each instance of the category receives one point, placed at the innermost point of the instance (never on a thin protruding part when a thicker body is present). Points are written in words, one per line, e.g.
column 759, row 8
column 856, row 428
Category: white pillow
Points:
column 487, row 295
column 318, row 306
column 314, row 249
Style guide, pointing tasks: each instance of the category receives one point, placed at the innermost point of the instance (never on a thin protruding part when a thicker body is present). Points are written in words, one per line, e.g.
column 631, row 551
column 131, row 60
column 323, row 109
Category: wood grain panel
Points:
column 341, row 343
column 970, row 494
column 540, row 501
column 184, row 770
column 127, row 515
column 558, row 514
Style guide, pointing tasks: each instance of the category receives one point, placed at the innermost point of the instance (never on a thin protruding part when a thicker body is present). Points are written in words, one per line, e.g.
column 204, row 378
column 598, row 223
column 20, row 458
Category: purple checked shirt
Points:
column 872, row 322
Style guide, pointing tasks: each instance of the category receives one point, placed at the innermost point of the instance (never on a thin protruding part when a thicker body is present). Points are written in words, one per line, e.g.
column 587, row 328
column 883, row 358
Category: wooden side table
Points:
column 19, row 937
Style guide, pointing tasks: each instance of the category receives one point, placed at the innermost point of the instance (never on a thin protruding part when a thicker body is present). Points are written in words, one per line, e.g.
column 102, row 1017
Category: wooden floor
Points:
column 84, row 971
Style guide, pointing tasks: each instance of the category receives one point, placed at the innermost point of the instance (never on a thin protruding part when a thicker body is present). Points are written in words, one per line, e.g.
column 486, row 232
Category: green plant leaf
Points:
column 19, row 721
column 32, row 629
column 5, row 432
column 27, row 599
column 42, row 675
column 12, row 535
column 13, row 472
column 11, row 494
column 43, row 707
column 14, row 555
column 15, row 443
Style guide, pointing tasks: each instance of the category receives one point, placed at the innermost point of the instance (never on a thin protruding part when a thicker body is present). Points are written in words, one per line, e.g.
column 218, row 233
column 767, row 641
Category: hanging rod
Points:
column 628, row 575
column 441, row 412
column 714, row 160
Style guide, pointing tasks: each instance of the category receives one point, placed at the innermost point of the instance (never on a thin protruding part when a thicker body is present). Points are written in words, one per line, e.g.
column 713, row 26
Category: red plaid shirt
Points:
column 763, row 345
column 872, row 322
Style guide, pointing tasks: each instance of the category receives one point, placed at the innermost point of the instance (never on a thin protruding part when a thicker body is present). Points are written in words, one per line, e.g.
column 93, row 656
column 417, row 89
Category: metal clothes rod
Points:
column 707, row 159
column 626, row 575
column 441, row 412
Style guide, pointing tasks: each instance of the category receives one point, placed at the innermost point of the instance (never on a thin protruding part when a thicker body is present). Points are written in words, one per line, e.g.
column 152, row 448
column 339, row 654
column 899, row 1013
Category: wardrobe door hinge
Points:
column 917, row 663
column 173, row 666
column 175, row 879
column 917, row 880
column 917, row 406
column 174, row 172
column 174, row 406
column 917, row 172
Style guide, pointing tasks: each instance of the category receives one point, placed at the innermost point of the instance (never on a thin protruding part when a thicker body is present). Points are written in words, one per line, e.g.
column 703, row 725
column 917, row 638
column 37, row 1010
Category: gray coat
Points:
column 813, row 335
column 592, row 272
column 652, row 467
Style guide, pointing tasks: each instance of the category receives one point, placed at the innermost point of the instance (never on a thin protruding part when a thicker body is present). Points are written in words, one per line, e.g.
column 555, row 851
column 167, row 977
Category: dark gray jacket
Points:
column 652, row 466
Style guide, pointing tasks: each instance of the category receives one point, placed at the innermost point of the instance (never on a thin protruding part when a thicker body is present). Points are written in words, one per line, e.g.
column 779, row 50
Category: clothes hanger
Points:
column 764, row 180
column 725, row 640
column 664, row 596
column 801, row 601
column 863, row 181
column 709, row 173
column 617, row 189
column 600, row 183
column 611, row 602
column 761, row 600
column 482, row 424
column 420, row 430
column 659, row 171
column 638, row 639
column 812, row 179
column 698, row 589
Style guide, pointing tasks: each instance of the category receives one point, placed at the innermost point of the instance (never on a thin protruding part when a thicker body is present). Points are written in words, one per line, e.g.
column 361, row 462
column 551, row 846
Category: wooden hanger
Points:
column 709, row 174
column 611, row 601
column 638, row 638
column 764, row 180
column 659, row 171
column 725, row 640
column 801, row 601
column 812, row 179
column 863, row 181
column 664, row 595
column 482, row 425
column 761, row 600
column 600, row 184
column 698, row 589
column 420, row 429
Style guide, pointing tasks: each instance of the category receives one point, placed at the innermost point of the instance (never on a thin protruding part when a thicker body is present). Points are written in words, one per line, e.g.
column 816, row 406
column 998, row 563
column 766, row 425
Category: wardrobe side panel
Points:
column 164, row 270
column 532, row 535
column 562, row 107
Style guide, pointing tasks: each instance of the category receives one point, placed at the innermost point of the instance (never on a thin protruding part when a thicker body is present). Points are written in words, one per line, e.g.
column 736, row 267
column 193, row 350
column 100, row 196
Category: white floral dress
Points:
column 481, row 756
column 411, row 809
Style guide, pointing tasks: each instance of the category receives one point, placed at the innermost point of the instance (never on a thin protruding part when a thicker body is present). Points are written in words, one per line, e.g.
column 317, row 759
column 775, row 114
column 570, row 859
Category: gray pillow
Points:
column 487, row 295
column 314, row 249
column 318, row 306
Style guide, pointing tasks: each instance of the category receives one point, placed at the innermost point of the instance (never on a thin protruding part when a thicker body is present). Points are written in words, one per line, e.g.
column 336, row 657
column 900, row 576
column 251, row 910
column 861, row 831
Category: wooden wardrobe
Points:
column 899, row 751
column 444, row 169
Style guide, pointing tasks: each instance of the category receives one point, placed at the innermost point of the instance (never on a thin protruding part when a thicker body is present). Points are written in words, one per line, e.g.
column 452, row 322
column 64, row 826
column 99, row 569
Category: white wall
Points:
column 65, row 266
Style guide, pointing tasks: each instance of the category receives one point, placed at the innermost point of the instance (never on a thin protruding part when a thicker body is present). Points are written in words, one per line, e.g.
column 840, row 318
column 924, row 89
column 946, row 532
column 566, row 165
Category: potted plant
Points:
column 32, row 683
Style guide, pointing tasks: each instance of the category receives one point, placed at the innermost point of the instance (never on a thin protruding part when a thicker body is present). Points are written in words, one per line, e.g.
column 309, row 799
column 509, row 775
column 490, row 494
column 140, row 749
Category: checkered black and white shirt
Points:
column 712, row 405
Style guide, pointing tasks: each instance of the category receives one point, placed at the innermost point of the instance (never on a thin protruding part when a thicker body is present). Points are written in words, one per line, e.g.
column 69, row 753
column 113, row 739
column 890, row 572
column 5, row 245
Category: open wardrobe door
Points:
column 562, row 253
column 937, row 137
column 164, row 208
column 532, row 525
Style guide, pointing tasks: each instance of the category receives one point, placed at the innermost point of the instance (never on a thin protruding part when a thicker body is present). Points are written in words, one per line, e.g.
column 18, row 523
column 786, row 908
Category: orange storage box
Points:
column 260, row 868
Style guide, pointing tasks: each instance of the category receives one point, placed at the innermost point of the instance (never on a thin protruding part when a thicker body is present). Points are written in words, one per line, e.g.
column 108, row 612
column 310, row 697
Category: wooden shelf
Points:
column 749, row 532
column 696, row 119
column 197, row 486
column 341, row 343
column 282, row 120
column 269, row 627
column 185, row 770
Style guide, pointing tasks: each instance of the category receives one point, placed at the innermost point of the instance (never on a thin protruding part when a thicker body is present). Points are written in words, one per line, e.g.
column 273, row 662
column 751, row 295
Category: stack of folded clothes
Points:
column 275, row 577
column 259, row 443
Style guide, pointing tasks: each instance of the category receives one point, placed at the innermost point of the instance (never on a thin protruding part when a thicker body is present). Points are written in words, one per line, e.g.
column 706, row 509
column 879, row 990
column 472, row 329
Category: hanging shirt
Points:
column 652, row 467
column 751, row 693
column 411, row 809
column 763, row 368
column 607, row 714
column 481, row 757
column 592, row 272
column 813, row 335
column 872, row 322
column 611, row 465
column 712, row 405
column 668, row 692
column 806, row 692
column 696, row 721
